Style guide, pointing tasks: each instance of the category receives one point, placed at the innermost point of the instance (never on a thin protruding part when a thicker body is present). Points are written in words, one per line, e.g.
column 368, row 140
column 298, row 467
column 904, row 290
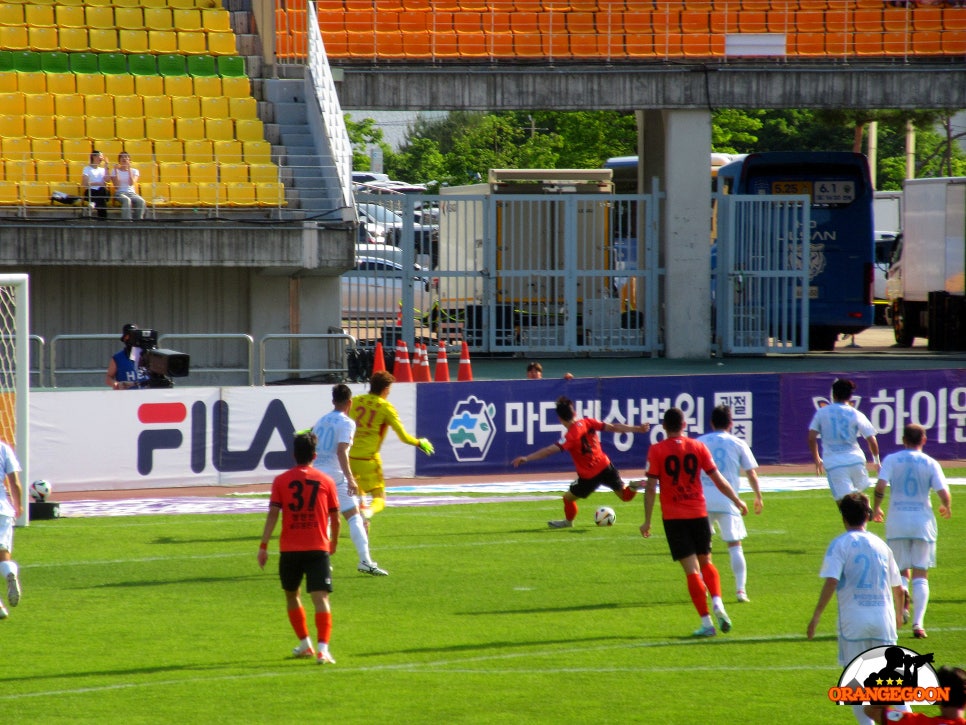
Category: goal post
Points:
column 15, row 377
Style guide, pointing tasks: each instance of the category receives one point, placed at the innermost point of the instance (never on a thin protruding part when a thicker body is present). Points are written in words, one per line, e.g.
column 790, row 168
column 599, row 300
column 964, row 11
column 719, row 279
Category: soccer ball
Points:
column 605, row 516
column 39, row 490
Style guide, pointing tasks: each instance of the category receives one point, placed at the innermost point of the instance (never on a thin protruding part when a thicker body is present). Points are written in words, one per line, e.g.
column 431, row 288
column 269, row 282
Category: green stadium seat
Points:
column 170, row 64
column 26, row 61
column 84, row 63
column 231, row 66
column 112, row 63
column 201, row 65
column 55, row 62
column 142, row 64
column 6, row 61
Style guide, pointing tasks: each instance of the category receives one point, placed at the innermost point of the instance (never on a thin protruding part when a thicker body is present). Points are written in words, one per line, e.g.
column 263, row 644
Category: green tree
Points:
column 363, row 134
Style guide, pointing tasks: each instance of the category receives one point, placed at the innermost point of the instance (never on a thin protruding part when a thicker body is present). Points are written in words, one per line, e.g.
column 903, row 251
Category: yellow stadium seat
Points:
column 198, row 151
column 183, row 193
column 146, row 168
column 32, row 81
column 12, row 102
column 192, row 42
column 160, row 129
column 270, row 194
column 216, row 20
column 187, row 18
column 241, row 193
column 39, row 16
column 110, row 147
column 215, row 107
column 69, row 104
column 69, row 16
column 11, row 125
column 14, row 37
column 257, row 152
column 51, row 170
column 236, row 87
column 44, row 40
column 76, row 150
column 202, row 171
column 232, row 172
column 99, row 105
column 129, row 105
column 186, row 107
column 169, row 150
column 141, row 150
column 263, row 173
column 175, row 86
column 102, row 40
column 133, row 41
column 222, row 44
column 61, row 83
column 19, row 170
column 149, row 86
column 119, row 84
column 250, row 129
column 172, row 171
column 17, row 147
column 219, row 129
column 39, row 103
column 100, row 127
column 73, row 126
column 211, row 194
column 155, row 193
column 129, row 127
column 99, row 17
column 89, row 83
column 209, row 86
column 227, row 152
column 39, row 126
column 9, row 193
column 8, row 82
column 156, row 105
column 35, row 193
column 11, row 14
column 158, row 19
column 163, row 41
column 129, row 18
column 242, row 108
column 45, row 149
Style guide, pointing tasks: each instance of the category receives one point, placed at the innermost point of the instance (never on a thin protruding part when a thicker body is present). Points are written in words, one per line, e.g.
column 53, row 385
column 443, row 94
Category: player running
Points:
column 675, row 464
column 594, row 468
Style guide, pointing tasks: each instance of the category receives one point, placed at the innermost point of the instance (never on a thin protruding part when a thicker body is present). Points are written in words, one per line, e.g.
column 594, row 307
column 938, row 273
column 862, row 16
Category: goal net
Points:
column 15, row 376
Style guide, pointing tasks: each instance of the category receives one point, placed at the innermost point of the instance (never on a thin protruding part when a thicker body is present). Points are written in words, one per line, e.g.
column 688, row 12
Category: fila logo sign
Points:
column 167, row 432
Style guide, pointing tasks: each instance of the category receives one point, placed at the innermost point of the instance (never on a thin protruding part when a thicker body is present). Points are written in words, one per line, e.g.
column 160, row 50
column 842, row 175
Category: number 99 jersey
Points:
column 677, row 464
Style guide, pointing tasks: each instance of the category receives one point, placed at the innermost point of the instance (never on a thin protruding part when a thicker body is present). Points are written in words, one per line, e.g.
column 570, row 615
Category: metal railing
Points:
column 340, row 371
column 248, row 371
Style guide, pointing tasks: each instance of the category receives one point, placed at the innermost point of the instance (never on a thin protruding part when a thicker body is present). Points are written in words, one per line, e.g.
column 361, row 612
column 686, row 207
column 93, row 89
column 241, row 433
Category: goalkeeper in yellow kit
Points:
column 374, row 415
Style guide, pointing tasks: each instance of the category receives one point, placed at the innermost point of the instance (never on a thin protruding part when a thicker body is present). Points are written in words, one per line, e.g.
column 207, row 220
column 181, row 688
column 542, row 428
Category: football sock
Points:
column 299, row 623
column 357, row 532
column 920, row 599
column 710, row 575
column 706, row 621
column 323, row 623
column 699, row 594
column 627, row 494
column 8, row 567
column 738, row 566
column 570, row 509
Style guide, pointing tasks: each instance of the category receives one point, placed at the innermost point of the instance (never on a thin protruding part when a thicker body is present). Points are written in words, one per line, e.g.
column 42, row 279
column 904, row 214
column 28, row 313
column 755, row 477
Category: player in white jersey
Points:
column 335, row 431
column 839, row 425
column 911, row 525
column 731, row 455
column 10, row 497
column 859, row 568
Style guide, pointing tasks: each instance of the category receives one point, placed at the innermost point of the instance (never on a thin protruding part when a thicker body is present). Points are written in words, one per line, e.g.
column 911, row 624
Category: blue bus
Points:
column 842, row 260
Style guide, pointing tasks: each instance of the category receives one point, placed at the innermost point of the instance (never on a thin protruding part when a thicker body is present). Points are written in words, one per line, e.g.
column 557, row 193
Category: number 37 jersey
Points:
column 677, row 464
column 306, row 497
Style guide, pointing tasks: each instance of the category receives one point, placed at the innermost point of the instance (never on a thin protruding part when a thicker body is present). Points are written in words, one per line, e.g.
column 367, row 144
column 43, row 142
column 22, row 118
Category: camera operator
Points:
column 124, row 371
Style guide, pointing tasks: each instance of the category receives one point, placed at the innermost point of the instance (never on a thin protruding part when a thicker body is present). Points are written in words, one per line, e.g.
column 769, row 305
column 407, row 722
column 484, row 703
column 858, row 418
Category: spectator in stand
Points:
column 124, row 178
column 534, row 371
column 94, row 180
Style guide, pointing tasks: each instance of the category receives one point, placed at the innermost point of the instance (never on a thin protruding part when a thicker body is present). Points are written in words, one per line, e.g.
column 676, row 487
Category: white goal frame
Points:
column 21, row 379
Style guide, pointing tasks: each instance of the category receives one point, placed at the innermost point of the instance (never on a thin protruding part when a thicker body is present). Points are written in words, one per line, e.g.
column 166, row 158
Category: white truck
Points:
column 929, row 258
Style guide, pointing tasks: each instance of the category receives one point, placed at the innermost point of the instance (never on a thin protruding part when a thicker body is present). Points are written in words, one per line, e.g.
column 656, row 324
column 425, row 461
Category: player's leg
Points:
column 290, row 573
column 611, row 478
column 923, row 556
column 9, row 571
column 732, row 528
column 840, row 482
column 701, row 537
column 318, row 582
column 349, row 507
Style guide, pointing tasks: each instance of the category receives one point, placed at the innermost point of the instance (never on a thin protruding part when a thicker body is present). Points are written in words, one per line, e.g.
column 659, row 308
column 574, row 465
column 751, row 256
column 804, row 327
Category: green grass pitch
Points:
column 487, row 616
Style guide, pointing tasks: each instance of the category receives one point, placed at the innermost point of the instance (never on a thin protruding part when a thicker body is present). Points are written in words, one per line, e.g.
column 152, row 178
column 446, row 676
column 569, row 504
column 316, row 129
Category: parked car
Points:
column 425, row 236
column 374, row 290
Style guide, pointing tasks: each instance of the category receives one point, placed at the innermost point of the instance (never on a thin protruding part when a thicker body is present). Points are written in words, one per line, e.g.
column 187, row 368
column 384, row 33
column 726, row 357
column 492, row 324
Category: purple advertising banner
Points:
column 481, row 427
column 935, row 399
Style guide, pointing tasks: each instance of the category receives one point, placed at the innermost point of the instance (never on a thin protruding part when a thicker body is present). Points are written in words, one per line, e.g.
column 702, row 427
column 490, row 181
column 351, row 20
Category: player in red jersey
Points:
column 594, row 468
column 676, row 464
column 308, row 503
column 950, row 712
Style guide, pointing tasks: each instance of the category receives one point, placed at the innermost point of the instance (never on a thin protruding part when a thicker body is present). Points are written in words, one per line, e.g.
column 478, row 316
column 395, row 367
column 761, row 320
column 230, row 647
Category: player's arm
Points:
column 880, row 486
column 874, row 450
column 945, row 510
column 15, row 492
column 722, row 485
column 813, row 448
column 898, row 602
column 335, row 526
column 536, row 455
column 752, row 474
column 423, row 444
column 624, row 428
column 270, row 520
column 824, row 597
column 650, row 493
column 342, row 453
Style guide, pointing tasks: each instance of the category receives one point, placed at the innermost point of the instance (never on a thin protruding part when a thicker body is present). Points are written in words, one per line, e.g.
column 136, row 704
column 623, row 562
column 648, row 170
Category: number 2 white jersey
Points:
column 731, row 456
column 840, row 426
column 867, row 572
column 911, row 475
column 8, row 464
column 332, row 429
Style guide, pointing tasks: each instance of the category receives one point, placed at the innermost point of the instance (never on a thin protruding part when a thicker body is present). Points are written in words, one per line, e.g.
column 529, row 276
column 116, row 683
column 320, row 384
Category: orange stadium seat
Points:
column 896, row 19
column 954, row 42
column 839, row 45
column 806, row 44
column 869, row 44
column 752, row 21
column 926, row 42
column 927, row 18
column 809, row 22
column 868, row 20
column 389, row 44
column 954, row 18
column 589, row 45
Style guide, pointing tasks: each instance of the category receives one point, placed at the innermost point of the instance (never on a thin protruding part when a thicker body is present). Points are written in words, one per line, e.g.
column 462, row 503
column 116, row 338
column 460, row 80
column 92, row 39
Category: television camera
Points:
column 157, row 364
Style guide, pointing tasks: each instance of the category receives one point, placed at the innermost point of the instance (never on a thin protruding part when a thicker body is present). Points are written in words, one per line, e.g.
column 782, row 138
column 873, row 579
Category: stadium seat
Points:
column 39, row 16
column 215, row 20
column 198, row 151
column 215, row 106
column 17, row 147
column 241, row 193
column 67, row 104
column 149, row 86
column 41, row 104
column 131, row 18
column 232, row 172
column 156, row 105
column 74, row 40
column 35, row 193
column 954, row 19
column 119, row 84
column 99, row 17
column 263, row 173
column 927, row 18
column 211, row 194
column 128, row 128
column 236, row 86
column 8, row 82
column 9, row 193
column 231, row 66
column 142, row 152
column 12, row 102
column 209, row 86
column 103, row 40
column 172, row 65
column 155, row 193
column 12, row 14
column 61, row 83
column 71, row 126
column 76, row 151
column 187, row 19
column 51, row 170
column 192, row 42
column 84, row 63
column 163, row 41
column 954, row 42
column 172, row 171
column 14, row 37
column 270, row 194
column 250, row 129
column 32, row 81
column 227, row 152
column 142, row 64
column 45, row 149
column 19, row 170
column 867, row 20
column 183, row 194
column 926, row 42
column 55, row 62
column 896, row 19
column 219, row 129
column 202, row 65
column 186, row 106
column 158, row 19
column 189, row 128
column 89, row 83
column 168, row 149
column 112, row 63
column 100, row 128
column 257, row 152
column 110, row 147
column 202, row 171
column 43, row 39
column 39, row 126
column 242, row 108
column 129, row 105
column 99, row 105
column 175, row 86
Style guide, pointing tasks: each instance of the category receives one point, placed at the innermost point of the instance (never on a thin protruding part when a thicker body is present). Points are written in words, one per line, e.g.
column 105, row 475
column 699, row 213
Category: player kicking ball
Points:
column 594, row 468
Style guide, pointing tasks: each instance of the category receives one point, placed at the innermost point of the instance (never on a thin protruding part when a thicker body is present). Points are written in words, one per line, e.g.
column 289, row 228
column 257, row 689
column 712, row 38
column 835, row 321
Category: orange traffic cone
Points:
column 399, row 316
column 401, row 369
column 465, row 372
column 421, row 373
column 378, row 359
column 442, row 364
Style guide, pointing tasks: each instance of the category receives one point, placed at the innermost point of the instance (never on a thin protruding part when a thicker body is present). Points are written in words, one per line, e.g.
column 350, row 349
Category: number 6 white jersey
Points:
column 911, row 475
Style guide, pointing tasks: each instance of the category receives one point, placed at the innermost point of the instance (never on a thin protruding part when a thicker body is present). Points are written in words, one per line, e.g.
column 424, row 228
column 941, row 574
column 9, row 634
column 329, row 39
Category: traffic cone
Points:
column 442, row 364
column 421, row 373
column 465, row 372
column 399, row 316
column 378, row 359
column 402, row 370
